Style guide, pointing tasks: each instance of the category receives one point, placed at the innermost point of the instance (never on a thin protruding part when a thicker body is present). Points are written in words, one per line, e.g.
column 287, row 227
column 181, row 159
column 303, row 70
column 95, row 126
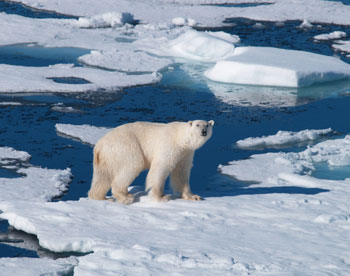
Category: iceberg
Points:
column 277, row 67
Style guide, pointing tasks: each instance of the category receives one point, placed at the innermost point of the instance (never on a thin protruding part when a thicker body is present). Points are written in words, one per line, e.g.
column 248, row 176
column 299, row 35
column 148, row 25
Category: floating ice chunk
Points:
column 282, row 138
column 277, row 67
column 180, row 21
column 7, row 154
column 202, row 46
column 342, row 45
column 333, row 35
column 40, row 79
column 37, row 266
column 109, row 19
column 125, row 60
column 85, row 133
column 273, row 167
column 38, row 184
column 306, row 24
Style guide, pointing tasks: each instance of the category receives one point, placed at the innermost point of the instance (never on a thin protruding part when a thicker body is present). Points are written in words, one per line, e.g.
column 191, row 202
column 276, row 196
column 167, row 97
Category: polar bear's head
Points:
column 200, row 132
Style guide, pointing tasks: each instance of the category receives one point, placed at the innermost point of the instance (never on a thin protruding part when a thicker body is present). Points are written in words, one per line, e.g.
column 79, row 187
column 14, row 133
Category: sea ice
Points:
column 333, row 35
column 37, row 266
column 277, row 67
column 8, row 155
column 267, row 167
column 342, row 45
column 282, row 138
column 206, row 12
column 126, row 60
column 202, row 46
column 40, row 79
column 109, row 19
column 85, row 133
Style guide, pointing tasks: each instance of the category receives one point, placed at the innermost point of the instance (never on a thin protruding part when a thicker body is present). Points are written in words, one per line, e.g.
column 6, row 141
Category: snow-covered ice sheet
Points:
column 33, row 266
column 39, row 79
column 332, row 35
column 85, row 133
column 277, row 67
column 282, row 138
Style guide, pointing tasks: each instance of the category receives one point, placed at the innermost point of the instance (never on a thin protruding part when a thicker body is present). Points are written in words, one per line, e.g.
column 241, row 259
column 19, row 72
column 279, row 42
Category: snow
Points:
column 282, row 139
column 40, row 266
column 109, row 19
column 38, row 79
column 332, row 35
column 125, row 60
column 180, row 21
column 264, row 66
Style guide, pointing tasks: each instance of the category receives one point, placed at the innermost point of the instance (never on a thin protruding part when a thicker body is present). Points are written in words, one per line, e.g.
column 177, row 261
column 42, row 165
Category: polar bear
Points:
column 165, row 149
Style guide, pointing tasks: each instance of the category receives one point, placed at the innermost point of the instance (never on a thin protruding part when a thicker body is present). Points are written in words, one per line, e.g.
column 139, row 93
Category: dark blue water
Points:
column 181, row 95
column 10, row 7
column 38, row 56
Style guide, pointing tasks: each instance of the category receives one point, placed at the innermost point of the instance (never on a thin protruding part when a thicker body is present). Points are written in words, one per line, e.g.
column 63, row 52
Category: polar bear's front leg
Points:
column 155, row 182
column 180, row 178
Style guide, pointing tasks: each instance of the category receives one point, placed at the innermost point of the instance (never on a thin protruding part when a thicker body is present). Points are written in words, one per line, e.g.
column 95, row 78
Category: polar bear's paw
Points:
column 191, row 197
column 125, row 199
column 164, row 198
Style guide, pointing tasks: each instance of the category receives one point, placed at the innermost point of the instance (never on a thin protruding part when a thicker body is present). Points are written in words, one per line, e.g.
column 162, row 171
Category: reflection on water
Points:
column 190, row 76
column 35, row 55
column 248, row 95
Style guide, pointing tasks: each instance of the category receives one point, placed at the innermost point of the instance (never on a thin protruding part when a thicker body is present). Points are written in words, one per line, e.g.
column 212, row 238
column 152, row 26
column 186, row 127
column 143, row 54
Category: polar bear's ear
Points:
column 190, row 123
column 211, row 122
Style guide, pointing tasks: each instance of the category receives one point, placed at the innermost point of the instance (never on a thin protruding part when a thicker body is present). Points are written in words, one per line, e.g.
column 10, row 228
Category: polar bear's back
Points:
column 140, row 138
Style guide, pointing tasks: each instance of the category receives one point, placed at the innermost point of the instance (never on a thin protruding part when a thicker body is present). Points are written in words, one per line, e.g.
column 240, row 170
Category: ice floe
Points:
column 277, row 67
column 203, row 46
column 40, row 79
column 36, row 183
column 109, row 19
column 85, row 133
column 342, row 45
column 125, row 60
column 332, row 35
column 9, row 155
column 268, row 167
column 37, row 266
column 282, row 138
column 206, row 12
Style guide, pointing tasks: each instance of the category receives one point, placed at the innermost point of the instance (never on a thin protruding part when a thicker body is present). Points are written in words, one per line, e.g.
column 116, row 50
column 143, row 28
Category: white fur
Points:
column 165, row 149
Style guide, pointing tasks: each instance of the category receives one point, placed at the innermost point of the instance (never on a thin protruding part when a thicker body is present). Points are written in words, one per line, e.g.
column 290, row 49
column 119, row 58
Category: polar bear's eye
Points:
column 197, row 125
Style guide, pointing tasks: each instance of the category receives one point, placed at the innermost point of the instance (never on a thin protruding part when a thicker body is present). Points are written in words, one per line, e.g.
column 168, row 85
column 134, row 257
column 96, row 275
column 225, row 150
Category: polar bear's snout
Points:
column 204, row 131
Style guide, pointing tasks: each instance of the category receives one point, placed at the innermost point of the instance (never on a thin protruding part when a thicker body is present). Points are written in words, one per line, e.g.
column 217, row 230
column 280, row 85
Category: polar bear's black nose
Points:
column 204, row 132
